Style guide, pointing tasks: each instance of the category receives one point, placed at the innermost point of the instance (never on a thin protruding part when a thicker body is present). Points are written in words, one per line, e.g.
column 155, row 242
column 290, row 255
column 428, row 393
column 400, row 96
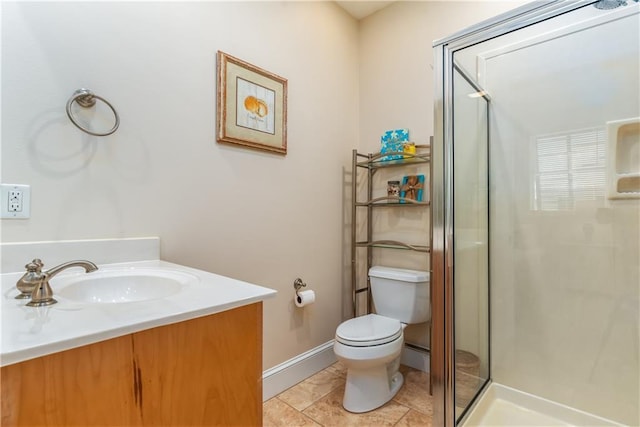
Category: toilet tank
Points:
column 401, row 294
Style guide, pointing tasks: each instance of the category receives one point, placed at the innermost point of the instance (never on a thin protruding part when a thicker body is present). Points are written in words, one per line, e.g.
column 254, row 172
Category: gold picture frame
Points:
column 252, row 106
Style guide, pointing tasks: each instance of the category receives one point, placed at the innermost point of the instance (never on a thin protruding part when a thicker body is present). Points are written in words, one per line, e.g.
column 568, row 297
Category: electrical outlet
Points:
column 15, row 201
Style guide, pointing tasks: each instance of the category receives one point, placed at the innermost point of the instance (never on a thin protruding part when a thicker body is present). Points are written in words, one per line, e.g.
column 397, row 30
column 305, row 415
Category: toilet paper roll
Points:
column 305, row 298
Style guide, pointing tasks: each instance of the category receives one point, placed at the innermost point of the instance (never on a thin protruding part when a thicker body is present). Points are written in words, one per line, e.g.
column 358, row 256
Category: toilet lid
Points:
column 369, row 330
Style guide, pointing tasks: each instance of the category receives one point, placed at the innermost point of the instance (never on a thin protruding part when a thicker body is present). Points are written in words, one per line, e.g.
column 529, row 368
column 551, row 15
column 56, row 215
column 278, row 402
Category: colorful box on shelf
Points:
column 412, row 188
column 393, row 141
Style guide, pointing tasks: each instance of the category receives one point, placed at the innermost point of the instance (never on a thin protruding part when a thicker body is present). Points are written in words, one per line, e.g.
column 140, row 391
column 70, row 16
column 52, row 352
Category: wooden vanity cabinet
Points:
column 200, row 372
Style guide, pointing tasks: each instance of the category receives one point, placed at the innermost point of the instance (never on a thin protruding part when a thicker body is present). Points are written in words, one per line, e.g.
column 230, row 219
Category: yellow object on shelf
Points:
column 409, row 148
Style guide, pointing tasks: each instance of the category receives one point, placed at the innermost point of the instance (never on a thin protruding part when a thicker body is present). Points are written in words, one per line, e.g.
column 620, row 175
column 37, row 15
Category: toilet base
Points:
column 368, row 389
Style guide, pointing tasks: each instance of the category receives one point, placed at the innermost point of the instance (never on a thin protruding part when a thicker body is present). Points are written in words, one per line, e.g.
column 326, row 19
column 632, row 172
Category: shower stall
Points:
column 536, row 218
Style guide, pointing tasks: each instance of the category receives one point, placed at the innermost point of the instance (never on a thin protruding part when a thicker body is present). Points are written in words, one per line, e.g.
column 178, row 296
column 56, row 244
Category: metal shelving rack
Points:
column 372, row 163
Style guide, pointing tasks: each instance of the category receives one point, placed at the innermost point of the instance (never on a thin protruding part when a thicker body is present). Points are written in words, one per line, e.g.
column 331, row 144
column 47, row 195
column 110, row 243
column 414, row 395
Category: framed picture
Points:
column 252, row 106
column 412, row 187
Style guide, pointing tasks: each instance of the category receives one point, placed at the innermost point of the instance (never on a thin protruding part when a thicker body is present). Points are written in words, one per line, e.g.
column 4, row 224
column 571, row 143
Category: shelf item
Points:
column 393, row 190
column 412, row 188
column 393, row 142
column 420, row 200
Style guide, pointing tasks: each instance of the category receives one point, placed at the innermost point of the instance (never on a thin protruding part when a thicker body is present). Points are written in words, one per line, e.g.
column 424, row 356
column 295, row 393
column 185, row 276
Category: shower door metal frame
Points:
column 442, row 257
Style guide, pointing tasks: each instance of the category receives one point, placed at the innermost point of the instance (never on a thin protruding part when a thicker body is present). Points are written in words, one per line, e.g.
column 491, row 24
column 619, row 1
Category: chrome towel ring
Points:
column 86, row 98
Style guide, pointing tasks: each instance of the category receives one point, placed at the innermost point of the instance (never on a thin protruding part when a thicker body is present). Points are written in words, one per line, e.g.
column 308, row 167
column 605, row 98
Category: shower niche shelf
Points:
column 373, row 163
column 624, row 159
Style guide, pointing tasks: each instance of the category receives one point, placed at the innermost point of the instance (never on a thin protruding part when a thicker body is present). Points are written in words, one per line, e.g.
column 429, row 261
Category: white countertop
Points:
column 30, row 332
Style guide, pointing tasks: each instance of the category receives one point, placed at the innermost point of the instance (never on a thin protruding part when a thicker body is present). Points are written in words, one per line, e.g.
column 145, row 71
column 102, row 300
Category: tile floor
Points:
column 317, row 401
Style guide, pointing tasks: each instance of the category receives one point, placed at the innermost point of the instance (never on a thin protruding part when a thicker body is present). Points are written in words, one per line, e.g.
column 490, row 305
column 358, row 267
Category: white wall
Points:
column 254, row 216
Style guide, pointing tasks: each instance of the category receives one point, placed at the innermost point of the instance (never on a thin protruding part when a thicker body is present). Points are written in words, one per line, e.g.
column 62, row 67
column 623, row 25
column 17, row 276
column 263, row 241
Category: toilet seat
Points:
column 369, row 330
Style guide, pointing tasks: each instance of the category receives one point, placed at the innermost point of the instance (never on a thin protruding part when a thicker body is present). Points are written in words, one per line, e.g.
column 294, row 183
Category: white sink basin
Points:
column 121, row 286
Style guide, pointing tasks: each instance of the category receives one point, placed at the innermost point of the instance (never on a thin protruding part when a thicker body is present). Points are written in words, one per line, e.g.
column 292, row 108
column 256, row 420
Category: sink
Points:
column 122, row 286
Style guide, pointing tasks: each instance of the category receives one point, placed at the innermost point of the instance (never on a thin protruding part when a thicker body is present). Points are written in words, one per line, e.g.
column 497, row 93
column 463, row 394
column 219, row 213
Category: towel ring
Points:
column 86, row 99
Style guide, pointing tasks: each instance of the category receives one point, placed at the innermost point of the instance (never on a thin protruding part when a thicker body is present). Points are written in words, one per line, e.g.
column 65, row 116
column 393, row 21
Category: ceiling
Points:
column 362, row 8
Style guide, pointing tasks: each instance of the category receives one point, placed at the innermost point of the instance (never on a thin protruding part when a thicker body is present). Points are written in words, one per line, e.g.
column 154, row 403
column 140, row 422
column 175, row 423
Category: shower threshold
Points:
column 504, row 406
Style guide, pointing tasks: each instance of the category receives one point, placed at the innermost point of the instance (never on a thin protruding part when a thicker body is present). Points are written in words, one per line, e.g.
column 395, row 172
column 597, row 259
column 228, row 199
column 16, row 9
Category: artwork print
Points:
column 255, row 107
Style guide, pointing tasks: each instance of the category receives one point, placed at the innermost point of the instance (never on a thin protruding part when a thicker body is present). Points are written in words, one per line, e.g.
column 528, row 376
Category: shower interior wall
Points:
column 565, row 268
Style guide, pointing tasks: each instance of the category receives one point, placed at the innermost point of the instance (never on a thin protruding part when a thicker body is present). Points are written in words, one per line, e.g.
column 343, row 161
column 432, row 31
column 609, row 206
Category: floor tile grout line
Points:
column 312, row 419
column 310, row 404
column 315, row 400
column 412, row 408
column 406, row 406
column 406, row 414
column 299, row 412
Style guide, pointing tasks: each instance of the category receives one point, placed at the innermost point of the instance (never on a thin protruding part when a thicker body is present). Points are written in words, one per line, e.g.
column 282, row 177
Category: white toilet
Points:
column 370, row 345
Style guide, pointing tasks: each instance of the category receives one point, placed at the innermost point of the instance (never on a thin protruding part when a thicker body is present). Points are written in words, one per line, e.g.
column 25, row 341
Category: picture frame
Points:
column 252, row 106
column 412, row 188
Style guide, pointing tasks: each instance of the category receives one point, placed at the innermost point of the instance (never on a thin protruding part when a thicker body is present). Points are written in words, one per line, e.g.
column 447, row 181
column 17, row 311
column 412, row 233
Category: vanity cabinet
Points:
column 201, row 372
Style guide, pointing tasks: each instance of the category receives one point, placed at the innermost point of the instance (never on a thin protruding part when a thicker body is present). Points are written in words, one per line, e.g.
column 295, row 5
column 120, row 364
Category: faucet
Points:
column 35, row 283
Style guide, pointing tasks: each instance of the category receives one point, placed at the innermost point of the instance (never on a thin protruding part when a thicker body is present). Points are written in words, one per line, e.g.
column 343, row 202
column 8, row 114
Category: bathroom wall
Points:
column 251, row 215
column 396, row 91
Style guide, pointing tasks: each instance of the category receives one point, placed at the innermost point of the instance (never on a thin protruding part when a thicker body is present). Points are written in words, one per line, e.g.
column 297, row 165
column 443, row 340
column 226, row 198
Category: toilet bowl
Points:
column 370, row 346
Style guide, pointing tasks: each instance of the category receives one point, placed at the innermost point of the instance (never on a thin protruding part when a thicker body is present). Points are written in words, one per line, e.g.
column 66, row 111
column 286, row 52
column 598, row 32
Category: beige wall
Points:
column 396, row 62
column 396, row 91
column 254, row 216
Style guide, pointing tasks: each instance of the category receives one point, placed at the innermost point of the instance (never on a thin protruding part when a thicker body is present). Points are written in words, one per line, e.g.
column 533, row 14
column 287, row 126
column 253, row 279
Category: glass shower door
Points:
column 470, row 238
column 547, row 171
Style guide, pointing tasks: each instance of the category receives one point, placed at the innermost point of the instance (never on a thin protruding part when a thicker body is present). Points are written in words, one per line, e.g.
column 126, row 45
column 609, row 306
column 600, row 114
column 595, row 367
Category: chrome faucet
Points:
column 35, row 283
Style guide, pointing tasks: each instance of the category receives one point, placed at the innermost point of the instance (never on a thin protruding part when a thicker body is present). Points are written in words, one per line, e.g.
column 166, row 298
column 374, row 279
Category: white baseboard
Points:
column 415, row 359
column 297, row 369
column 289, row 373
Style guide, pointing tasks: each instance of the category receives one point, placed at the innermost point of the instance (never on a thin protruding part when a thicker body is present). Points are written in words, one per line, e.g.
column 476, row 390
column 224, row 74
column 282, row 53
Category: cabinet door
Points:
column 202, row 372
column 86, row 386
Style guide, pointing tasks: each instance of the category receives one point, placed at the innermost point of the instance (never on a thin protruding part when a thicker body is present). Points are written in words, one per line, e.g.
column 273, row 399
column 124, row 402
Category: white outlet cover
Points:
column 5, row 189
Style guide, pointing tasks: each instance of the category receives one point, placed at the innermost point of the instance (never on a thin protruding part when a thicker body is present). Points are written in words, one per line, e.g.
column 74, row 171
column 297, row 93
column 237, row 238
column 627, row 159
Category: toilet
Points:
column 370, row 345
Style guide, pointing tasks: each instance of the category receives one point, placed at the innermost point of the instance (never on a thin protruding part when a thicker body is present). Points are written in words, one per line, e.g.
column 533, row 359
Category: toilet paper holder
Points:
column 297, row 284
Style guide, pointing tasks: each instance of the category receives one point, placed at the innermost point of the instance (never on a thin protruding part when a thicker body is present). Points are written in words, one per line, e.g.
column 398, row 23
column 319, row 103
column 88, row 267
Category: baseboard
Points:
column 415, row 358
column 289, row 373
column 297, row 369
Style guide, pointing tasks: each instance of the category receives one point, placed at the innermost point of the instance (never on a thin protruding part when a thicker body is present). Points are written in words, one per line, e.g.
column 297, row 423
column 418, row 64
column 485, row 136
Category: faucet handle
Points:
column 30, row 279
column 34, row 266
